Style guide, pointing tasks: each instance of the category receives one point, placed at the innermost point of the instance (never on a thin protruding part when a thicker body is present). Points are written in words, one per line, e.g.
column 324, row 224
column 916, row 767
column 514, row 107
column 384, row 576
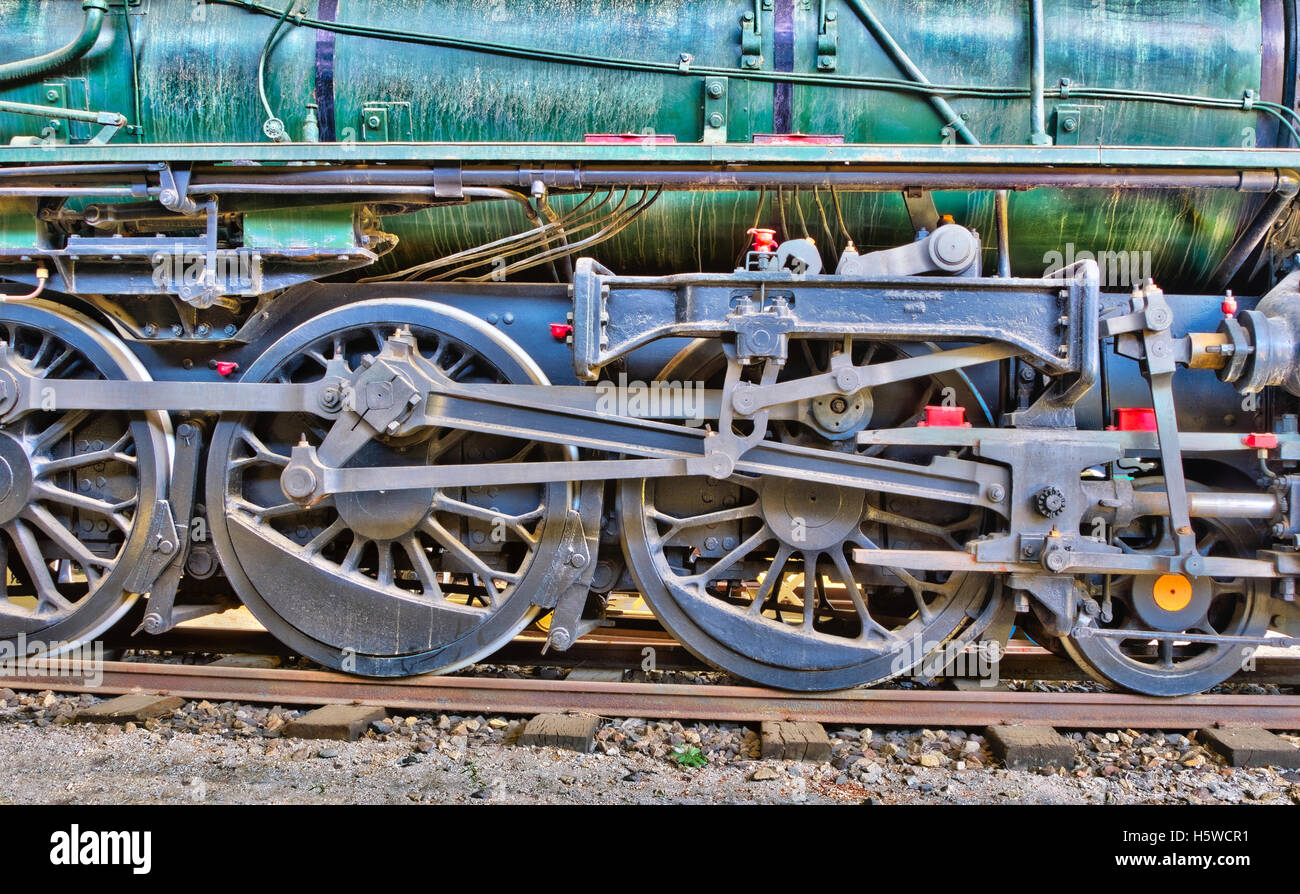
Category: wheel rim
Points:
column 755, row 576
column 77, row 488
column 385, row 583
column 1228, row 607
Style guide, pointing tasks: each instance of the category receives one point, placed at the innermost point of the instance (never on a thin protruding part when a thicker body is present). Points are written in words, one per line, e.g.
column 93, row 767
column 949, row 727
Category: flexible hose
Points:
column 26, row 69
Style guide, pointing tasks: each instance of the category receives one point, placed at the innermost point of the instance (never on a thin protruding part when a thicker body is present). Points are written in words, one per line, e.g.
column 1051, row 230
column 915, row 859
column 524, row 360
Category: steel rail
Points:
column 624, row 648
column 716, row 703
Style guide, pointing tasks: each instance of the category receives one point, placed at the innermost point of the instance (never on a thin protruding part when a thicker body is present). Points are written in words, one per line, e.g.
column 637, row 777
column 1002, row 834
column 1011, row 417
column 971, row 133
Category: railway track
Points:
column 883, row 707
column 625, row 648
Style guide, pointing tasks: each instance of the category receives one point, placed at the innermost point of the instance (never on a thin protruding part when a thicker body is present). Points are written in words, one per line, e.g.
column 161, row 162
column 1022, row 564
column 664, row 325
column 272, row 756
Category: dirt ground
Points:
column 230, row 753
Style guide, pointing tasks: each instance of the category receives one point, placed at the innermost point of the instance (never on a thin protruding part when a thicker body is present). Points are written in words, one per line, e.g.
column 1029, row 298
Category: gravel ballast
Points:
column 225, row 752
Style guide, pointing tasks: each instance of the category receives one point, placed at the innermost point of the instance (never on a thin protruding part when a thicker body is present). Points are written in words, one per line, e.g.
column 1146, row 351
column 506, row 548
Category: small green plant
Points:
column 688, row 756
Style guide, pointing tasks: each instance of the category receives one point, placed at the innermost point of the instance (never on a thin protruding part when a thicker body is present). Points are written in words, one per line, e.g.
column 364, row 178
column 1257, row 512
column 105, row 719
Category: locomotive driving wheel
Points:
column 386, row 583
column 1172, row 604
column 755, row 574
column 77, row 489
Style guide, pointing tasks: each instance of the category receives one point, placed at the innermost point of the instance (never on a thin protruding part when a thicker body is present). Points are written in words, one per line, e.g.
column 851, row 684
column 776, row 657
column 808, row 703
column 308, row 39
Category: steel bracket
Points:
column 161, row 612
column 161, row 548
column 715, row 110
column 828, row 40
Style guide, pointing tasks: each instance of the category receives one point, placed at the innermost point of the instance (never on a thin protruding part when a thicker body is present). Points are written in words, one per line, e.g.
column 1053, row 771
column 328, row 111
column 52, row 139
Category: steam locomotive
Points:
column 847, row 333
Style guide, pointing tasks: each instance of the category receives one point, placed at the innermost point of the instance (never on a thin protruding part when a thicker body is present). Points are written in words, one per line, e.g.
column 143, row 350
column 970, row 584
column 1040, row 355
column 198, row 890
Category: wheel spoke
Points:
column 516, row 523
column 850, row 582
column 112, row 511
column 114, row 453
column 325, row 537
column 65, row 426
column 68, row 542
column 721, row 516
column 810, row 560
column 453, row 545
column 47, row 591
column 423, row 569
column 771, row 581
column 714, row 572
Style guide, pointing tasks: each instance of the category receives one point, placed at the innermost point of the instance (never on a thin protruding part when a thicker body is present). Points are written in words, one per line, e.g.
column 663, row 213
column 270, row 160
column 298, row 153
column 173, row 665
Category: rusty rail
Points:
column 624, row 648
column 886, row 707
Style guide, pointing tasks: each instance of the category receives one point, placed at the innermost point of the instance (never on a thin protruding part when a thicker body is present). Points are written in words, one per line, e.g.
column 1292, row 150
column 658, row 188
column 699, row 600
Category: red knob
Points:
column 764, row 240
column 224, row 367
column 1229, row 305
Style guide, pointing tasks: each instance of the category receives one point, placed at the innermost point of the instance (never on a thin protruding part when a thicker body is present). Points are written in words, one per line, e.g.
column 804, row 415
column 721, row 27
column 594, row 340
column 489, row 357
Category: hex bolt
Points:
column 372, row 122
column 715, row 89
column 715, row 120
column 52, row 95
column 711, row 543
column 997, row 493
column 1070, row 125
column 203, row 330
column 230, row 330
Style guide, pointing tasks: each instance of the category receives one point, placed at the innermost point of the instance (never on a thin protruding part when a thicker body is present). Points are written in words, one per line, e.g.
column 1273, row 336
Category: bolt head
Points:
column 298, row 483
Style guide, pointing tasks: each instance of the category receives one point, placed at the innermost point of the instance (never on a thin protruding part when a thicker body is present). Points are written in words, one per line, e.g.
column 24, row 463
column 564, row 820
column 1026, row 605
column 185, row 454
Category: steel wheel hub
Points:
column 15, row 478
column 807, row 515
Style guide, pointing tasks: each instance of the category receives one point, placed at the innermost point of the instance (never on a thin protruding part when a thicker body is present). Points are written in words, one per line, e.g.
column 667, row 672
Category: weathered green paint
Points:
column 20, row 230
column 198, row 67
column 325, row 229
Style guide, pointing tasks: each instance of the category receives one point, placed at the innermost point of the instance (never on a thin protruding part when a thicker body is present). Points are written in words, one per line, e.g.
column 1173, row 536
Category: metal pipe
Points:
column 1209, row 504
column 1288, row 184
column 35, row 111
column 908, row 67
column 42, row 276
column 679, row 178
column 1037, row 75
column 78, row 170
column 26, row 69
column 1001, row 219
column 841, row 177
